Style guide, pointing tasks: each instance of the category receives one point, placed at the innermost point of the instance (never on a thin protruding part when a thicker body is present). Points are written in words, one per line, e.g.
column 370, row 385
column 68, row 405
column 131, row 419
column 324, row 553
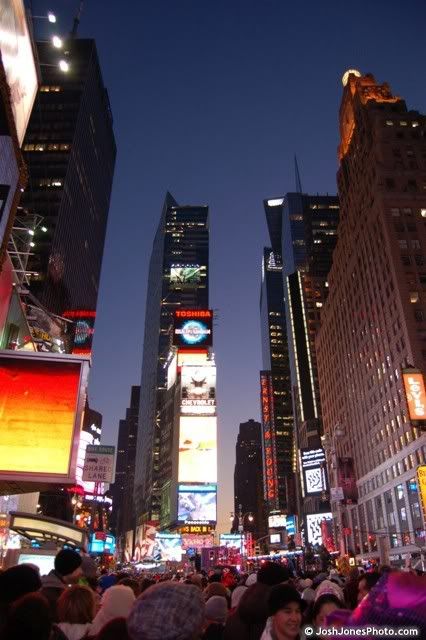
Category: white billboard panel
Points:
column 197, row 449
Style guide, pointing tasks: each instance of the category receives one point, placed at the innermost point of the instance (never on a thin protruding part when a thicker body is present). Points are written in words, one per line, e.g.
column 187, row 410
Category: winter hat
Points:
column 272, row 573
column 215, row 589
column 167, row 611
column 329, row 588
column 305, row 584
column 67, row 561
column 237, row 594
column 18, row 581
column 116, row 602
column 217, row 609
column 252, row 579
column 281, row 595
column 88, row 566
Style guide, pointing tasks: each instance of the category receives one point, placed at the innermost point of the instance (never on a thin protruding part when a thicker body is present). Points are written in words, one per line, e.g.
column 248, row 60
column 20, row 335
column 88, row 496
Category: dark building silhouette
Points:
column 123, row 518
column 181, row 242
column 248, row 478
column 70, row 153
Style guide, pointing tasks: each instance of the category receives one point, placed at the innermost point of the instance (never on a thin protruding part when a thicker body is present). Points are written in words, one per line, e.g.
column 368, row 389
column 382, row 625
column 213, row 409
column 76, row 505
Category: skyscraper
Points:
column 248, row 477
column 70, row 152
column 122, row 490
column 373, row 324
column 178, row 277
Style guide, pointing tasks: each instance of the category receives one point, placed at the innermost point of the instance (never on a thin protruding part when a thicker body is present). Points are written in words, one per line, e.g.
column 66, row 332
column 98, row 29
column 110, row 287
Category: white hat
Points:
column 252, row 579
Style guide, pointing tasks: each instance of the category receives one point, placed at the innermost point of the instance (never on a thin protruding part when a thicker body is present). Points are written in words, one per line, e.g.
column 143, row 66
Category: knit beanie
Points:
column 67, row 561
column 18, row 581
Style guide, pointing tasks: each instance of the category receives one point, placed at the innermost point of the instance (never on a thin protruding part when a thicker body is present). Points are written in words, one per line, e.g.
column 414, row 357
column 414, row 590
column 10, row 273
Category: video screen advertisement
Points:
column 193, row 328
column 197, row 449
column 42, row 398
column 313, row 468
column 197, row 503
column 198, row 385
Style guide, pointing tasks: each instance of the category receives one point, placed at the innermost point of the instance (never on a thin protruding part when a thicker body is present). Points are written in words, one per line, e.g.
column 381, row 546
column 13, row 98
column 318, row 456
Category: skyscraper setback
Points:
column 373, row 324
column 178, row 278
column 70, row 152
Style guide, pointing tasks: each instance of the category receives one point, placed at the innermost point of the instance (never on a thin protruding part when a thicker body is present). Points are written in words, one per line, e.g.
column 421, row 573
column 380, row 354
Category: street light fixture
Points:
column 57, row 42
column 51, row 17
column 64, row 66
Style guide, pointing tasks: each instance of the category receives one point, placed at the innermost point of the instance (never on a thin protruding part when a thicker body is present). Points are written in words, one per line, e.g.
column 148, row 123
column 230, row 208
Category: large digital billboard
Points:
column 313, row 526
column 168, row 547
column 193, row 328
column 232, row 540
column 18, row 61
column 313, row 469
column 41, row 402
column 198, row 386
column 197, row 502
column 346, row 479
column 84, row 329
column 197, row 449
column 185, row 275
column 195, row 541
column 415, row 393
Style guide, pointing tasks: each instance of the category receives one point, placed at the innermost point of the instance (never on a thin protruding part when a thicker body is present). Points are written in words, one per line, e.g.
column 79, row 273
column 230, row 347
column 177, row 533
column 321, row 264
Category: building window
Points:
column 403, row 244
column 395, row 212
column 414, row 297
column 423, row 213
column 419, row 315
column 403, row 512
column 415, row 244
column 399, row 490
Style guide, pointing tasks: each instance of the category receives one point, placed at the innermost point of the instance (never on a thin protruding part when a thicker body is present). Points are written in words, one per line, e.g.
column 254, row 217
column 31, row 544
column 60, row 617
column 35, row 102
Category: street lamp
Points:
column 57, row 42
column 49, row 16
column 241, row 517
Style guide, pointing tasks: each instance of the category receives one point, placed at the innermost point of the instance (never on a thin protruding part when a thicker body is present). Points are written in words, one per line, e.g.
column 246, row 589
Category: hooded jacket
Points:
column 52, row 587
column 249, row 620
column 75, row 631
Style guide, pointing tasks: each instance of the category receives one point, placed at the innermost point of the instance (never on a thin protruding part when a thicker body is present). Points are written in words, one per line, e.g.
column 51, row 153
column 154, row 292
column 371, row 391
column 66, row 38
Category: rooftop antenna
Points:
column 298, row 182
column 77, row 20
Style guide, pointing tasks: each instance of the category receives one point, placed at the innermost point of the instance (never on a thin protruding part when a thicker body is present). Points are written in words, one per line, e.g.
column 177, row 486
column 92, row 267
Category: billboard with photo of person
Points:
column 197, row 502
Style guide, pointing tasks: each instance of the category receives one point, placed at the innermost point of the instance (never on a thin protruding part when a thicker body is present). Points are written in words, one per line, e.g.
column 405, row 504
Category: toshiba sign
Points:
column 415, row 393
column 193, row 328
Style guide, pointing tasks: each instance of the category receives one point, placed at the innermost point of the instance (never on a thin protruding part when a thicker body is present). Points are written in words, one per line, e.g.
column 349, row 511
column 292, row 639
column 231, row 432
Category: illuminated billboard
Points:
column 198, row 386
column 193, row 328
column 18, row 61
column 195, row 541
column 313, row 526
column 268, row 440
column 232, row 540
column 277, row 521
column 313, row 470
column 41, row 403
column 421, row 483
column 346, row 479
column 197, row 502
column 168, row 547
column 197, row 449
column 186, row 275
column 84, row 329
column 415, row 393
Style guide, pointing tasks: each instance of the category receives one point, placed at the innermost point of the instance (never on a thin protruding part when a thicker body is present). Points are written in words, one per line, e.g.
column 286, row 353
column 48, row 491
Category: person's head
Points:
column 115, row 629
column 323, row 606
column 146, row 582
column 117, row 601
column 366, row 583
column 167, row 611
column 215, row 589
column 133, row 584
column 236, row 595
column 18, row 581
column 29, row 618
column 216, row 609
column 76, row 605
column 272, row 573
column 285, row 606
column 327, row 587
column 68, row 565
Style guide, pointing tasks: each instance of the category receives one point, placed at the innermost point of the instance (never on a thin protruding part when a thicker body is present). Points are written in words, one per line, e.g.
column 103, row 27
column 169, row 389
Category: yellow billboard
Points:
column 421, row 484
column 197, row 449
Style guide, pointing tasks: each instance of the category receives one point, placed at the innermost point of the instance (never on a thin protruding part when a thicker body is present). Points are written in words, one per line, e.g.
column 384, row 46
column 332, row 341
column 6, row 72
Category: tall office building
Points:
column 70, row 153
column 248, row 477
column 178, row 278
column 373, row 324
column 122, row 490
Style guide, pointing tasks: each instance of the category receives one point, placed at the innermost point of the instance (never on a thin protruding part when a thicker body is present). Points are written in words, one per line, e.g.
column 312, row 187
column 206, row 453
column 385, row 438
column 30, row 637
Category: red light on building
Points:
column 269, row 461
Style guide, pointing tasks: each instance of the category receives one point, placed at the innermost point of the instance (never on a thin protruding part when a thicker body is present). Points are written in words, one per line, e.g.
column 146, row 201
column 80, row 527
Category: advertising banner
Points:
column 232, row 540
column 277, row 521
column 194, row 541
column 197, row 449
column 41, row 402
column 421, row 487
column 268, row 432
column 198, row 386
column 128, row 546
column 168, row 547
column 145, row 541
column 313, row 526
column 193, row 328
column 50, row 333
column 84, row 329
column 185, row 275
column 18, row 61
column 197, row 502
column 415, row 393
column 9, row 177
column 327, row 535
column 313, row 469
column 347, row 480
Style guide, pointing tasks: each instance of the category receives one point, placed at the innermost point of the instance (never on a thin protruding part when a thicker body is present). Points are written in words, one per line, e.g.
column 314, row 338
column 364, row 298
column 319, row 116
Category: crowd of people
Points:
column 73, row 603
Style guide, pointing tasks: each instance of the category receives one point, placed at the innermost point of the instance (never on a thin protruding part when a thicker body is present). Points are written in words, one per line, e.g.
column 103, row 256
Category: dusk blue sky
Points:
column 211, row 100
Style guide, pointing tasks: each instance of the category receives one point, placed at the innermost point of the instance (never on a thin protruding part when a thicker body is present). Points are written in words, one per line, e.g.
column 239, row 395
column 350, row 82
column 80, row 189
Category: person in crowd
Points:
column 323, row 607
column 30, row 618
column 366, row 583
column 167, row 611
column 216, row 614
column 146, row 583
column 350, row 590
column 76, row 610
column 67, row 570
column 216, row 589
column 133, row 584
column 236, row 596
column 115, row 629
column 116, row 602
column 106, row 580
column 249, row 619
column 307, row 593
column 327, row 587
column 16, row 582
column 285, row 609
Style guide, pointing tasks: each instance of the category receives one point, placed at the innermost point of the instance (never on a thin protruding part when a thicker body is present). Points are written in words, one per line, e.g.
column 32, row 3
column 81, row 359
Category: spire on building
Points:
column 297, row 174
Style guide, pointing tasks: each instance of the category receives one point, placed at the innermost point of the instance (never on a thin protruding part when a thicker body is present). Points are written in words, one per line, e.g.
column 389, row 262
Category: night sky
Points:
column 211, row 100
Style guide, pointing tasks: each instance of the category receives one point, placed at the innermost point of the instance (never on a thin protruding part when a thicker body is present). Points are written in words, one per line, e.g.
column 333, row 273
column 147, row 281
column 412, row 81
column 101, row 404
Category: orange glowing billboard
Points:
column 41, row 402
column 415, row 393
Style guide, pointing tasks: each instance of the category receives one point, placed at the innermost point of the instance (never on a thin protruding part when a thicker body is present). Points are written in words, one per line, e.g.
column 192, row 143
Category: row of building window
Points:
column 46, row 147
